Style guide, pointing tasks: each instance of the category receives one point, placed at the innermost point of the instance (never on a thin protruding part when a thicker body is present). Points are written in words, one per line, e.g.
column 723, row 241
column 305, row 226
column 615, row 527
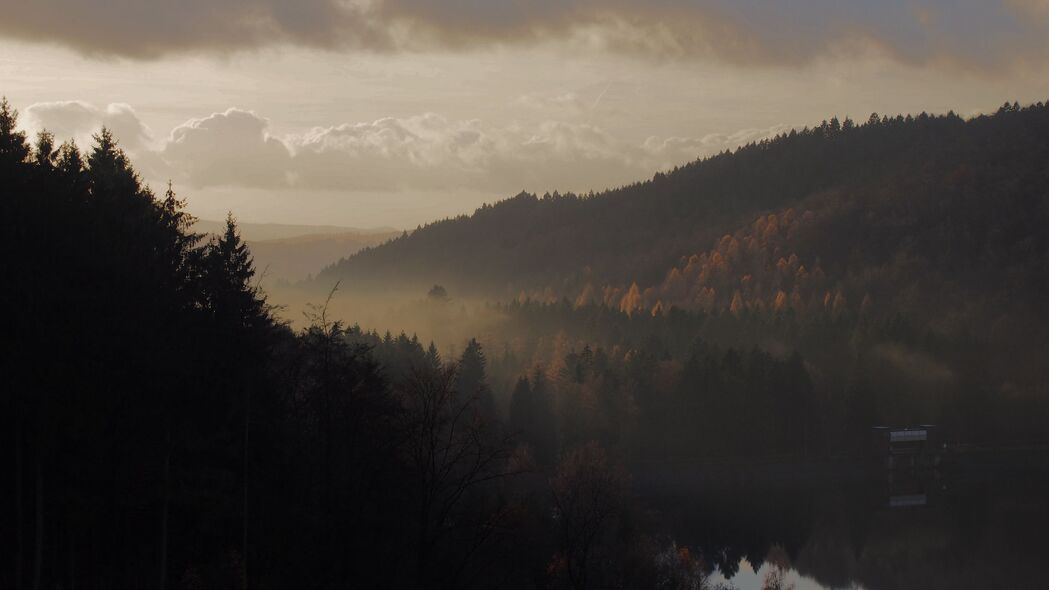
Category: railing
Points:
column 908, row 436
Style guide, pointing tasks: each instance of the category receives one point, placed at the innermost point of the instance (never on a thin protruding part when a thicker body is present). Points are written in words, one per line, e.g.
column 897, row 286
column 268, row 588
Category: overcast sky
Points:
column 396, row 112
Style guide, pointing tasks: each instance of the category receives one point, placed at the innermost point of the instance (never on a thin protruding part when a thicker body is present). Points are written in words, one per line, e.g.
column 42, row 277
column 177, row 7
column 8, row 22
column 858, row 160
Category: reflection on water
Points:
column 978, row 521
column 769, row 576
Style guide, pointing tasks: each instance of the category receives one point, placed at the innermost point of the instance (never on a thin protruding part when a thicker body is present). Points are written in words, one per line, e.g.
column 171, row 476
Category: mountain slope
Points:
column 254, row 232
column 295, row 258
column 921, row 210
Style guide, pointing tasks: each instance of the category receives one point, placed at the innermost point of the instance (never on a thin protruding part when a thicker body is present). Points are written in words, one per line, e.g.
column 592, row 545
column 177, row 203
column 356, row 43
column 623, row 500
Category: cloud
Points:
column 666, row 152
column 77, row 120
column 568, row 102
column 228, row 148
column 426, row 152
column 429, row 151
column 751, row 32
column 422, row 153
column 152, row 28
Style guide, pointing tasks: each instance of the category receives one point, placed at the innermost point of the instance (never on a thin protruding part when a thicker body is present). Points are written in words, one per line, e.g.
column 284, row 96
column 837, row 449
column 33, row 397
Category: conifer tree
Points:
column 227, row 270
column 470, row 377
column 13, row 147
column 70, row 166
column 521, row 407
column 44, row 151
column 110, row 171
column 433, row 358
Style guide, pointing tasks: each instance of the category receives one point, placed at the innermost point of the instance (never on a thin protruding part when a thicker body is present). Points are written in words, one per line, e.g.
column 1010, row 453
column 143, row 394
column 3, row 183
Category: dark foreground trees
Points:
column 589, row 495
column 129, row 358
column 162, row 430
column 825, row 240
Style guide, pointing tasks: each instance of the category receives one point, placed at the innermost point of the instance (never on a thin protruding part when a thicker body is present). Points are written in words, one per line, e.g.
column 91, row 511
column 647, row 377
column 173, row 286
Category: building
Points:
column 908, row 447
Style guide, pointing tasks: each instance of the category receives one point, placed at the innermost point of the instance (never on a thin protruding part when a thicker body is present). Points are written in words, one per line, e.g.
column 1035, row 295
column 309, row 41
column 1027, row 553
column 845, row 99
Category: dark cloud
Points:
column 979, row 33
column 152, row 28
column 966, row 32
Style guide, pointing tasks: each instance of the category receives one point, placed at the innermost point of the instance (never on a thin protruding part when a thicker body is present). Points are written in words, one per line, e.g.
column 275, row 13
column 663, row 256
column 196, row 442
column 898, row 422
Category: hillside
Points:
column 256, row 232
column 296, row 258
column 917, row 212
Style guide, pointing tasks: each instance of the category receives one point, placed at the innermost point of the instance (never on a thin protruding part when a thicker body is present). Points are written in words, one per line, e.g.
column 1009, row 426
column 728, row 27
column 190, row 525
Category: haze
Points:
column 524, row 294
column 394, row 113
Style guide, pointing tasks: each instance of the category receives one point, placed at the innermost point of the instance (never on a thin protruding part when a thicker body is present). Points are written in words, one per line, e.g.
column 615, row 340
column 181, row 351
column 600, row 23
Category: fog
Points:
column 449, row 323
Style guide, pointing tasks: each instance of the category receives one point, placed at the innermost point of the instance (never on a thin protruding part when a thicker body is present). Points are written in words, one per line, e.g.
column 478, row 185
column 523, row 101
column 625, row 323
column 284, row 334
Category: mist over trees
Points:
column 902, row 256
column 841, row 215
column 166, row 429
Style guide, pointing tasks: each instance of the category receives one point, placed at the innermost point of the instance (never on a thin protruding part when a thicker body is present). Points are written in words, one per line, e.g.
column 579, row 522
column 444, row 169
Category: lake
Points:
column 980, row 520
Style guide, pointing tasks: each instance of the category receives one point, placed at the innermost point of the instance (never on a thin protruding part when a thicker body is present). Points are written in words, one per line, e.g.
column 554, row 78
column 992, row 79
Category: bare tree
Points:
column 454, row 453
column 589, row 491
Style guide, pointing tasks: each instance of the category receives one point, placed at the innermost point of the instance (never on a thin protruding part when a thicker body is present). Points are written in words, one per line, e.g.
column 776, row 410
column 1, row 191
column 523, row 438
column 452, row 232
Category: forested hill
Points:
column 892, row 188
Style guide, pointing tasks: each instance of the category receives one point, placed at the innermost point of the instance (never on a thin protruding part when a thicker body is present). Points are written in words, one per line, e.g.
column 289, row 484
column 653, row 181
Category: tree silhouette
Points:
column 470, row 378
column 14, row 151
column 589, row 492
column 453, row 452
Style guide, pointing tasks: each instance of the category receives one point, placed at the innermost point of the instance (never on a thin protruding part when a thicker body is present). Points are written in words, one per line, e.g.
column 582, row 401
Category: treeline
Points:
column 653, row 409
column 166, row 430
column 904, row 257
column 162, row 430
column 637, row 233
column 758, row 382
column 937, row 219
column 953, row 242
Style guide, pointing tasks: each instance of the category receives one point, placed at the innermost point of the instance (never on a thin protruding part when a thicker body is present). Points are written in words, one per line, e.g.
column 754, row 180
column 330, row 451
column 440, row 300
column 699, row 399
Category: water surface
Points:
column 979, row 521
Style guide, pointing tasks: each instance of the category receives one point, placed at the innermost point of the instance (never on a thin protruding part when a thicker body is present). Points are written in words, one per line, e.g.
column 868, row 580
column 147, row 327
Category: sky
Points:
column 371, row 113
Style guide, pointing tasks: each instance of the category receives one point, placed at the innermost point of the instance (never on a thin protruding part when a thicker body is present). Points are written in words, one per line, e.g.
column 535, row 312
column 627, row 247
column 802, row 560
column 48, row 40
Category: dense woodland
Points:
column 904, row 258
column 934, row 218
column 163, row 430
column 167, row 430
column 970, row 190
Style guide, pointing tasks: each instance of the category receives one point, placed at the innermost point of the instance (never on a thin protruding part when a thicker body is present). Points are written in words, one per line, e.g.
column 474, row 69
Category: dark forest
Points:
column 166, row 427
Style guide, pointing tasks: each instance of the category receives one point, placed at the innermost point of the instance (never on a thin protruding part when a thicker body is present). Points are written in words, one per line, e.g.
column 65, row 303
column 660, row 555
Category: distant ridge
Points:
column 919, row 214
column 296, row 258
column 277, row 231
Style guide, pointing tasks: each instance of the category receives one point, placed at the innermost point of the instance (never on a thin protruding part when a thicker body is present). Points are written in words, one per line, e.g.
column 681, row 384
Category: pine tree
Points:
column 532, row 417
column 470, row 378
column 521, row 408
column 239, row 315
column 70, row 166
column 178, row 248
column 13, row 147
column 45, row 152
column 110, row 171
column 227, row 271
column 543, row 420
column 433, row 358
